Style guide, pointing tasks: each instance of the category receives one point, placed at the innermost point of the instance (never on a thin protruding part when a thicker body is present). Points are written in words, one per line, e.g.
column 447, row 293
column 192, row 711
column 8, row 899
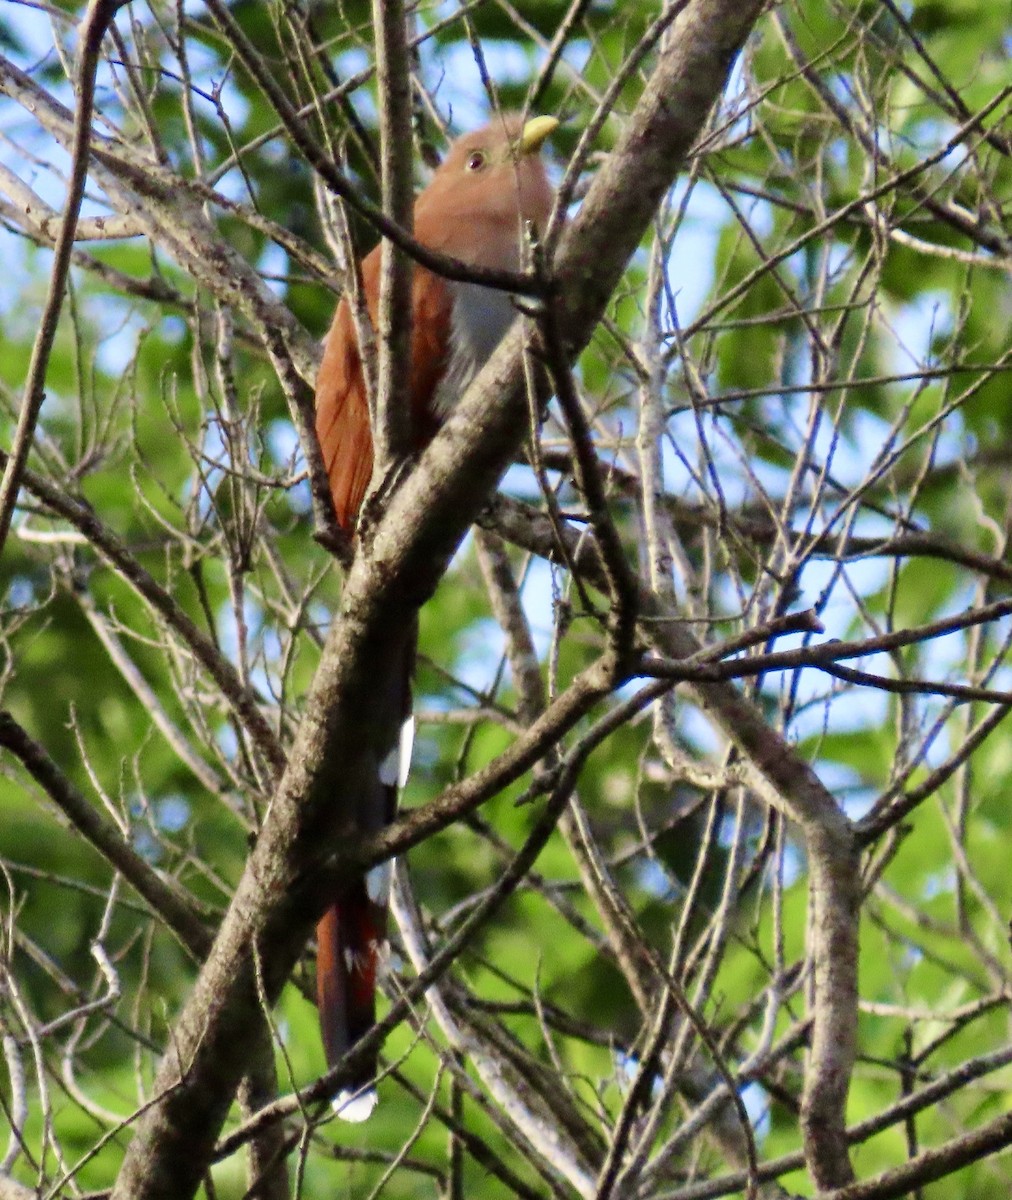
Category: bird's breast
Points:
column 479, row 320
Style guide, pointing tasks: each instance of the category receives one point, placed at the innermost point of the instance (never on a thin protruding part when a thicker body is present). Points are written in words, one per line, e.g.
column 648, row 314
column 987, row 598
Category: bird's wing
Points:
column 342, row 408
column 342, row 418
column 432, row 318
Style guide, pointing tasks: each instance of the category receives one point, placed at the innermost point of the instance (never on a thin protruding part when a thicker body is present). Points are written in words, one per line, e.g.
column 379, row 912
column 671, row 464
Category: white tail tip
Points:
column 405, row 746
column 355, row 1106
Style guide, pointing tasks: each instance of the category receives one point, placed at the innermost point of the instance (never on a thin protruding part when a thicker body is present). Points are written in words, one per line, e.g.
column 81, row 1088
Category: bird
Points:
column 476, row 208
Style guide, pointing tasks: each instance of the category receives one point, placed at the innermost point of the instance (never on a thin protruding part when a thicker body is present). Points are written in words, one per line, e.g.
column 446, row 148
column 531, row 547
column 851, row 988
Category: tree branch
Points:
column 285, row 885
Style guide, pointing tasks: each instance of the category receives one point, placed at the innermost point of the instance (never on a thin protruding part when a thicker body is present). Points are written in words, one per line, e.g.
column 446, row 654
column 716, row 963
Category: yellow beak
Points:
column 534, row 134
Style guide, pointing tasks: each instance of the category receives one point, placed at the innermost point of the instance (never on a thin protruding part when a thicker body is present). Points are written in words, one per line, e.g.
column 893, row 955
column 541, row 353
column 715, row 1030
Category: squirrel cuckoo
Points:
column 474, row 209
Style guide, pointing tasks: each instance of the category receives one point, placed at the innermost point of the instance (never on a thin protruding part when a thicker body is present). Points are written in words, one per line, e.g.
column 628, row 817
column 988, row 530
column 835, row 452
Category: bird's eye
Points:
column 476, row 161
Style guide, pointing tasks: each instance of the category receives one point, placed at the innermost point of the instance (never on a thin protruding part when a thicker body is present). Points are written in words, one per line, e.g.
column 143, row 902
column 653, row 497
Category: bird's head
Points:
column 489, row 184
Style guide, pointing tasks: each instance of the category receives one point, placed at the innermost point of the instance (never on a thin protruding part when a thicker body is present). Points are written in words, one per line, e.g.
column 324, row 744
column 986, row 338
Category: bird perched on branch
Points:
column 475, row 209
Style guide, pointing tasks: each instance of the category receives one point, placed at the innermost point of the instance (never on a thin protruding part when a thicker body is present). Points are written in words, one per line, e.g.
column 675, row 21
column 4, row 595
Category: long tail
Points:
column 351, row 936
